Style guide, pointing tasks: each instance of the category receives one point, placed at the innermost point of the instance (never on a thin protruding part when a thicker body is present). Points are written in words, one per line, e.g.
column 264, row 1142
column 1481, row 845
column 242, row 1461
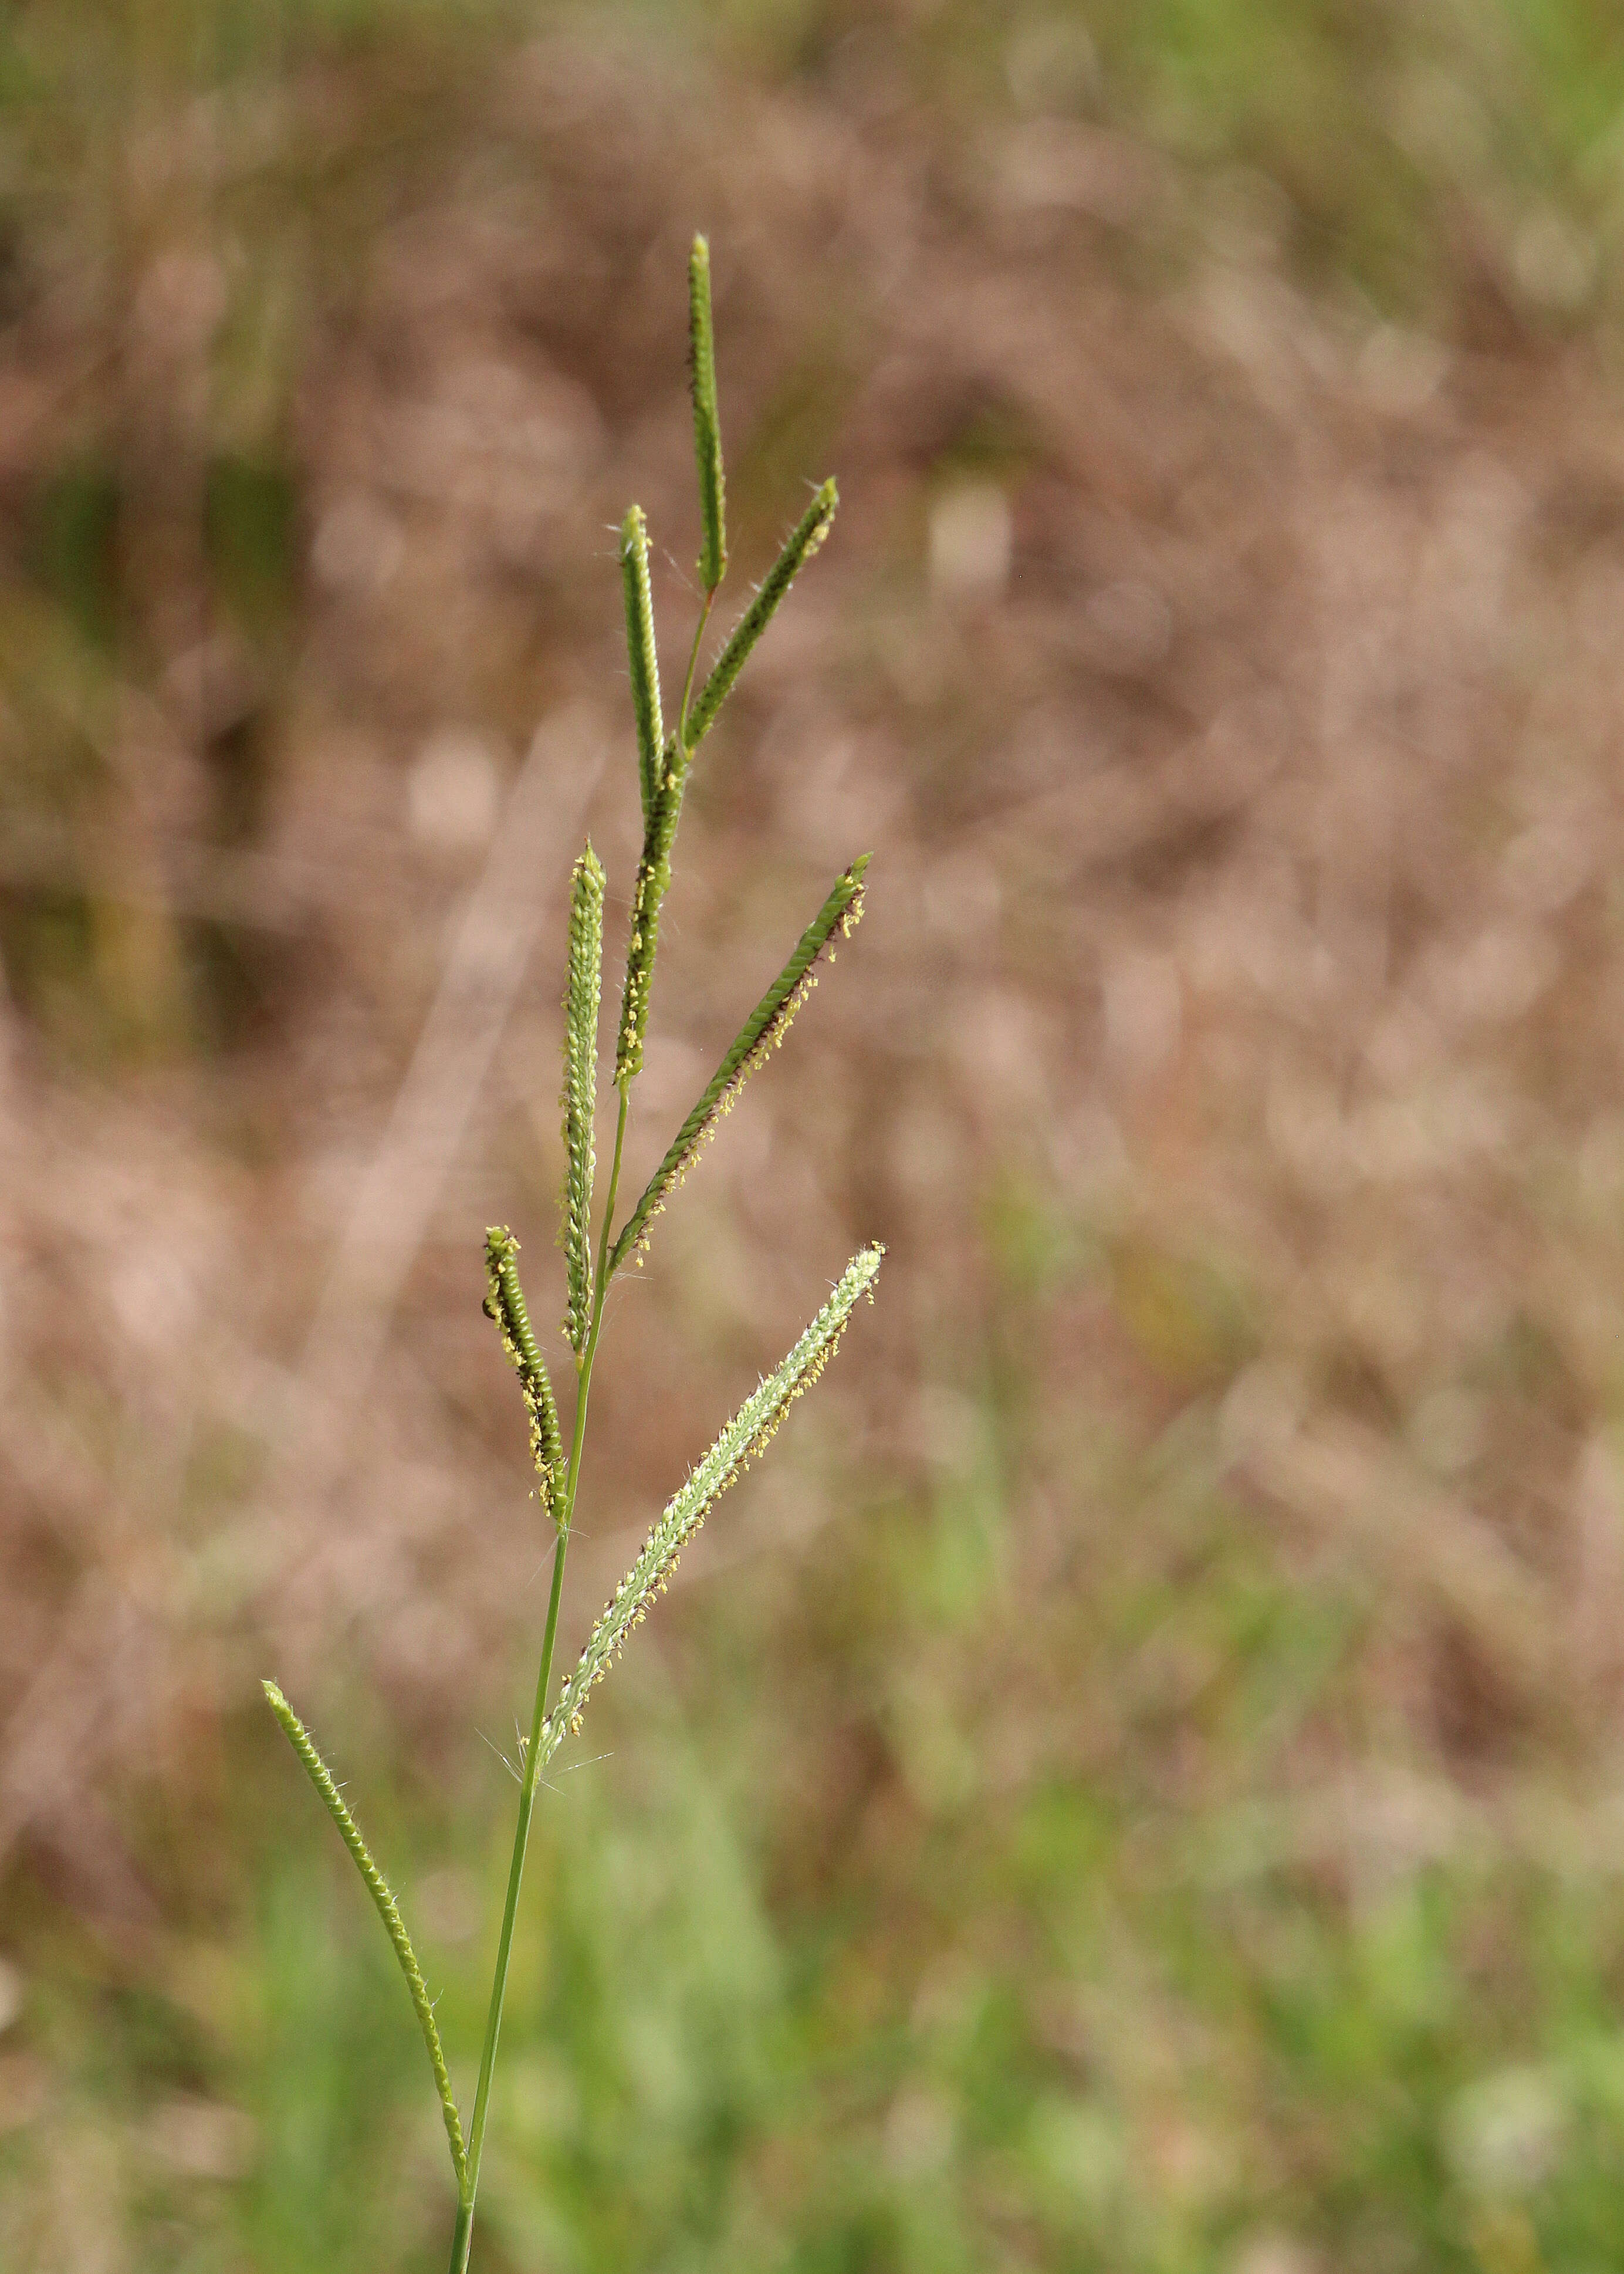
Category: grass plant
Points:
column 663, row 758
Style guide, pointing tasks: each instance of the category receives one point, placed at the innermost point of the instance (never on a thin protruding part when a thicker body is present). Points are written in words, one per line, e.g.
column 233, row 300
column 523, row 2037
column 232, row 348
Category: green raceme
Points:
column 648, row 893
column 642, row 655
column 746, row 1435
column 802, row 542
column 761, row 1032
column 707, row 421
column 580, row 1092
column 317, row 1770
column 505, row 1305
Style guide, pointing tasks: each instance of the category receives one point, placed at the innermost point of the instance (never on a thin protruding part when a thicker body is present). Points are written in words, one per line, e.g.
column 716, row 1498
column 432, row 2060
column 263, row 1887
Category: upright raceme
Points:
column 707, row 422
column 648, row 892
column 580, row 1093
column 644, row 661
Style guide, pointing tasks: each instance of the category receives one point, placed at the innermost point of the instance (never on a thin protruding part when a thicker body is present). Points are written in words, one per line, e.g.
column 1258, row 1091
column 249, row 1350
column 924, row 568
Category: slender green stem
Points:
column 463, row 2240
column 693, row 664
column 614, row 1187
column 504, row 1948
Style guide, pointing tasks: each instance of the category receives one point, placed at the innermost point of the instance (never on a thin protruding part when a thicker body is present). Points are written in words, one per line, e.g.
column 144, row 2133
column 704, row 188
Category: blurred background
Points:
column 1135, row 1782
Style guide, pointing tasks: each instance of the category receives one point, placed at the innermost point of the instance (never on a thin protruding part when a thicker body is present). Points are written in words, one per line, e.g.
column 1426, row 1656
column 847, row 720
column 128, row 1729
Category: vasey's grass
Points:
column 663, row 764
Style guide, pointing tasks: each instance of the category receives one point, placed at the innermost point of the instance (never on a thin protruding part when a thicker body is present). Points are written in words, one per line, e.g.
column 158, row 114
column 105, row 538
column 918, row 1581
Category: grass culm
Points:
column 663, row 758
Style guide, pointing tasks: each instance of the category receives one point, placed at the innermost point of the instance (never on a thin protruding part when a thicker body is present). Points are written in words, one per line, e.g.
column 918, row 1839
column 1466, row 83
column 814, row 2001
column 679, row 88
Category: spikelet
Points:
column 707, row 424
column 744, row 1437
column 761, row 1032
column 580, row 1093
column 504, row 1304
column 803, row 541
column 641, row 650
column 316, row 1769
column 653, row 880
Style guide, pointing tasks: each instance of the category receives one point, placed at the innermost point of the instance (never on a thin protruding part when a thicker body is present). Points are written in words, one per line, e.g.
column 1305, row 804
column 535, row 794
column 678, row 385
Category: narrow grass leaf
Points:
column 316, row 1769
column 580, row 1092
column 505, row 1304
column 808, row 535
column 707, row 424
column 761, row 1032
column 644, row 659
column 744, row 1437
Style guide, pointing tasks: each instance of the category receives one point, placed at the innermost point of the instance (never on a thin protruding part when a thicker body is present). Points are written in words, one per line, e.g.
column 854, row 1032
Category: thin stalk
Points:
column 602, row 1244
column 504, row 1949
column 693, row 664
column 462, row 2240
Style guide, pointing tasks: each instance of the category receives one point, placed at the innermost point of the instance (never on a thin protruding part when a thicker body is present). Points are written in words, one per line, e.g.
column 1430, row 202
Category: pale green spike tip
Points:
column 707, row 420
